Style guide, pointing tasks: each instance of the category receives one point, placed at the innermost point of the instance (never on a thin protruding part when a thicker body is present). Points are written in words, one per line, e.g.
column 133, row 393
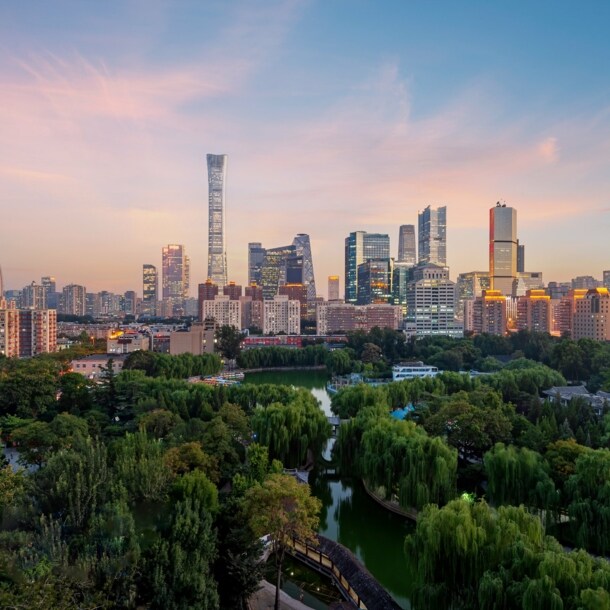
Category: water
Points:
column 349, row 516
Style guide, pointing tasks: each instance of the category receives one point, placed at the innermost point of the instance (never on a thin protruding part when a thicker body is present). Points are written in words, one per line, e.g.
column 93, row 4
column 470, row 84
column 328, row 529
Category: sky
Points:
column 336, row 116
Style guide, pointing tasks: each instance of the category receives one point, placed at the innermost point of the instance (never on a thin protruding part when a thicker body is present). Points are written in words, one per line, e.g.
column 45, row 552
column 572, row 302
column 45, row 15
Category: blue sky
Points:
column 336, row 116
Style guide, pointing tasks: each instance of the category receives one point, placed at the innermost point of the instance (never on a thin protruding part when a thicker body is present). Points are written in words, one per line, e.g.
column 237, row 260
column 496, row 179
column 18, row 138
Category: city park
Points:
column 145, row 490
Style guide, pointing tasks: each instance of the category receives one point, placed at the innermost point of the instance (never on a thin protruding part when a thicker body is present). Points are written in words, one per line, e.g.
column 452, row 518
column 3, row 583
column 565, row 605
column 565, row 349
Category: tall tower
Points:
column 360, row 247
column 433, row 236
column 502, row 248
column 303, row 246
column 406, row 245
column 150, row 290
column 217, row 255
column 256, row 256
column 175, row 272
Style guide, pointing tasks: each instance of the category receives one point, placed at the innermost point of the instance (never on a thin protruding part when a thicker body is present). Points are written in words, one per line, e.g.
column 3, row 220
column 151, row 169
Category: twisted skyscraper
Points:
column 217, row 255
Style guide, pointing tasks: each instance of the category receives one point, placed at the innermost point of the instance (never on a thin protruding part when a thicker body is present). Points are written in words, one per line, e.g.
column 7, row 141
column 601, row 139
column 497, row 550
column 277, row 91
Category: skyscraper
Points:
column 360, row 247
column 502, row 248
column 333, row 287
column 274, row 267
column 217, row 255
column 175, row 277
column 303, row 246
column 433, row 236
column 150, row 290
column 74, row 299
column 406, row 245
column 256, row 256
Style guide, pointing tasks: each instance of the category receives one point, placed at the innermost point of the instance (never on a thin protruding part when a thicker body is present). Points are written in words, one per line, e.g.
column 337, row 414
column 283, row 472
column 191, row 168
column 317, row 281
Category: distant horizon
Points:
column 335, row 117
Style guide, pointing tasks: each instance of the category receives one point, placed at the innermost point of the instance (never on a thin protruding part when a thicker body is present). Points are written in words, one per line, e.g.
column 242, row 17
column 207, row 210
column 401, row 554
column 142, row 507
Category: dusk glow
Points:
column 335, row 116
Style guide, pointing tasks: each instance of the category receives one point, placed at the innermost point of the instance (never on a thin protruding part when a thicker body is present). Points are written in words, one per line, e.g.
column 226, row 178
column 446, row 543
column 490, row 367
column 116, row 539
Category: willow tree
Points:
column 588, row 490
column 290, row 430
column 519, row 476
column 401, row 457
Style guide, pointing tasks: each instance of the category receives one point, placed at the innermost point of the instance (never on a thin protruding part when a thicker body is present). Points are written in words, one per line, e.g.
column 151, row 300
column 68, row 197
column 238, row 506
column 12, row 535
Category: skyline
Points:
column 332, row 125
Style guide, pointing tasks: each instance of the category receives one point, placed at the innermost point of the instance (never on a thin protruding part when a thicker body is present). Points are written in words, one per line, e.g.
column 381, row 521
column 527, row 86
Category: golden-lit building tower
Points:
column 534, row 312
column 489, row 313
column 564, row 311
column 592, row 316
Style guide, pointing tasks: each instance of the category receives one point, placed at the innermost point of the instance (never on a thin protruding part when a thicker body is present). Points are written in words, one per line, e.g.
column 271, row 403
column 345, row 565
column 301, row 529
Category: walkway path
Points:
column 264, row 599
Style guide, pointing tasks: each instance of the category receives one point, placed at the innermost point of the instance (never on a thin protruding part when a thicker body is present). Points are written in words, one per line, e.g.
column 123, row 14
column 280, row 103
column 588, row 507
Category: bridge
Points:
column 355, row 582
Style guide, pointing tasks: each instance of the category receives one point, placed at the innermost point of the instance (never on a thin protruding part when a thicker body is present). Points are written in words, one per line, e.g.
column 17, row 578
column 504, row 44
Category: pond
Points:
column 349, row 516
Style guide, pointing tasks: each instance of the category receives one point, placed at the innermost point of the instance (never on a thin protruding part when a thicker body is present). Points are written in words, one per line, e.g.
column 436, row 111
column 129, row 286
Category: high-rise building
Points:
column 296, row 292
column 175, row 273
column 469, row 285
column 255, row 292
column 50, row 290
column 150, row 290
column 565, row 310
column 502, row 248
column 224, row 310
column 592, row 316
column 360, row 247
column 281, row 315
column 217, row 254
column 256, row 256
column 274, row 267
column 432, row 244
column 375, row 281
column 488, row 313
column 534, row 312
column 232, row 290
column 606, row 280
column 74, row 300
column 303, row 249
column 206, row 292
column 585, row 282
column 37, row 332
column 407, row 252
column 333, row 287
column 431, row 299
column 9, row 332
column 520, row 257
column 33, row 296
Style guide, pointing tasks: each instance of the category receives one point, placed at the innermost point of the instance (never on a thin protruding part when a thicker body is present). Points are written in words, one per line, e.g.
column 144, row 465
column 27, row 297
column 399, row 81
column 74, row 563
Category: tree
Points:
column 229, row 341
column 285, row 510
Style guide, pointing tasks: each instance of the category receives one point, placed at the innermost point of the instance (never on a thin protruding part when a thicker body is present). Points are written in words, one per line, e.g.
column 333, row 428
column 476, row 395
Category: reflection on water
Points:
column 374, row 534
column 349, row 516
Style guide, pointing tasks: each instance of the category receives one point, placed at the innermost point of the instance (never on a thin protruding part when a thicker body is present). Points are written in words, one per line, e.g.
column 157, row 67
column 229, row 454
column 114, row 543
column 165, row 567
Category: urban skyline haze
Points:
column 337, row 117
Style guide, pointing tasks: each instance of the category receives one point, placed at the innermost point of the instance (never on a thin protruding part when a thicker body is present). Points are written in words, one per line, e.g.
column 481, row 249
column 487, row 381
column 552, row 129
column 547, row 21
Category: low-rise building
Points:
column 93, row 366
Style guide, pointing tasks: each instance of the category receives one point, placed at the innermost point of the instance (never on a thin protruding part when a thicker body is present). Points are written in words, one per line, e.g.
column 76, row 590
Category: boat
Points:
column 413, row 370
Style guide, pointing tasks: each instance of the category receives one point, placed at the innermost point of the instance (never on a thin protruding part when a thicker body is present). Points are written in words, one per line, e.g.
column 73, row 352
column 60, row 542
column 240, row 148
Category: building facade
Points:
column 375, row 281
column 217, row 254
column 333, row 287
column 361, row 246
column 256, row 256
column 281, row 315
column 592, row 316
column 345, row 317
column 502, row 248
column 432, row 245
column 224, row 310
column 431, row 301
column 488, row 313
column 150, row 290
column 407, row 251
column 74, row 300
column 534, row 312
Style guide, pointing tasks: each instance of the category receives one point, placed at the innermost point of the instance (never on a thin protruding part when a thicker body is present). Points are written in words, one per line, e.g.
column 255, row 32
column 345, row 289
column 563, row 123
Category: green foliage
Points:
column 469, row 556
column 139, row 466
column 519, row 476
column 173, row 367
column 290, row 430
column 229, row 341
column 271, row 357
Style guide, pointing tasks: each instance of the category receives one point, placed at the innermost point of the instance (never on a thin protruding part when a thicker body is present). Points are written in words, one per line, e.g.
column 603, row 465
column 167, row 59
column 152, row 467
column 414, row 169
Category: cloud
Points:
column 549, row 150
